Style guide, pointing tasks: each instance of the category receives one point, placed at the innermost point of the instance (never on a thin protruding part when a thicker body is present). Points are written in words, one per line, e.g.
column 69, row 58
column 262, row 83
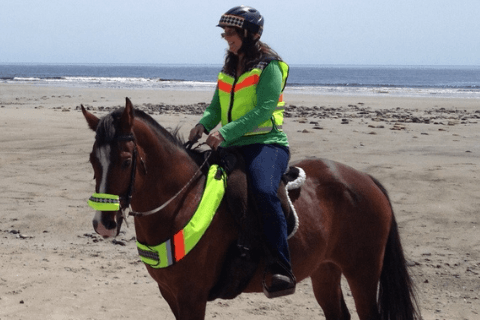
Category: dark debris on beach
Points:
column 432, row 115
column 150, row 108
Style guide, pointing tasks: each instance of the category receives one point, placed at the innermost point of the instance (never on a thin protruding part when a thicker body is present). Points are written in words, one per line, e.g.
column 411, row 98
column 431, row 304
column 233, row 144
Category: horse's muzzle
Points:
column 107, row 224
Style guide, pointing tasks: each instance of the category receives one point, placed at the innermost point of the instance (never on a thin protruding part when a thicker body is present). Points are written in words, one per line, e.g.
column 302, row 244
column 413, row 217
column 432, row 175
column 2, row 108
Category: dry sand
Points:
column 52, row 265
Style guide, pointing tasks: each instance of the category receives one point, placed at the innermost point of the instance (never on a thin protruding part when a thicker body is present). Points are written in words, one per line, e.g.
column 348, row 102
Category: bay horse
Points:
column 347, row 225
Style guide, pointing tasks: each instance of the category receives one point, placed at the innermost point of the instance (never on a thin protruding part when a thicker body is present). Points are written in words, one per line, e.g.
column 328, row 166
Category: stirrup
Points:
column 281, row 285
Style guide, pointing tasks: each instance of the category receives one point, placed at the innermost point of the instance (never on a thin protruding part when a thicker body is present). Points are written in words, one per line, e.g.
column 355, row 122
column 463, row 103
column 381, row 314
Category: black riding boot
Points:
column 278, row 280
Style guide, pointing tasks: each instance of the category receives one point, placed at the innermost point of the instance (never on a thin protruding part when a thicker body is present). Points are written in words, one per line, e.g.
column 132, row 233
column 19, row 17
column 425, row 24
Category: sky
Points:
column 325, row 32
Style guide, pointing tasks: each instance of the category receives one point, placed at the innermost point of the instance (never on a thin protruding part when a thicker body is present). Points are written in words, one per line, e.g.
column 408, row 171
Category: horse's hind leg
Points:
column 362, row 278
column 328, row 292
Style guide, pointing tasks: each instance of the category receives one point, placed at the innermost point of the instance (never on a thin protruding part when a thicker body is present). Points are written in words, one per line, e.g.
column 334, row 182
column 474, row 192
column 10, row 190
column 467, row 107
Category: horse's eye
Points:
column 126, row 163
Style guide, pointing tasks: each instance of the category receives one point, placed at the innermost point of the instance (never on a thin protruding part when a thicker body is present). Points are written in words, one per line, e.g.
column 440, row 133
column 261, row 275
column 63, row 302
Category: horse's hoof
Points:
column 280, row 286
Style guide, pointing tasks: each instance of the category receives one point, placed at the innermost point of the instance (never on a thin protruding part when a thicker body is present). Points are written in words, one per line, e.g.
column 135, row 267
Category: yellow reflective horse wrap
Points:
column 104, row 202
column 177, row 247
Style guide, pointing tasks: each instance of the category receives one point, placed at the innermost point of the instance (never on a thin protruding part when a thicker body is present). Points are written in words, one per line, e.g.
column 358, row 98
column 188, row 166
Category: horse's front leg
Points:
column 185, row 305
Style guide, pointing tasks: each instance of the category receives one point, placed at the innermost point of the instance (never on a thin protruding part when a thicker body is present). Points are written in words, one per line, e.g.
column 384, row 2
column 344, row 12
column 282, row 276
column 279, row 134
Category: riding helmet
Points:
column 243, row 17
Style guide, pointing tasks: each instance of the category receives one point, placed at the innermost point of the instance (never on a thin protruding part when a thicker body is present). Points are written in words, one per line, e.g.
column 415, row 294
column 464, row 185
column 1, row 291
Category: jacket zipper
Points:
column 232, row 95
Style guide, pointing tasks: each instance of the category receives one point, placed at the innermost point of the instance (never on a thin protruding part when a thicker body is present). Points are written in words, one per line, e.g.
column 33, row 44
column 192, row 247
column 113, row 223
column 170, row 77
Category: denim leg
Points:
column 265, row 165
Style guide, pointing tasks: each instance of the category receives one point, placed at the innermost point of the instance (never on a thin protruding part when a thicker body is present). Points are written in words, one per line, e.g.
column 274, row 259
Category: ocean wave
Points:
column 386, row 91
column 384, row 85
column 324, row 89
column 113, row 82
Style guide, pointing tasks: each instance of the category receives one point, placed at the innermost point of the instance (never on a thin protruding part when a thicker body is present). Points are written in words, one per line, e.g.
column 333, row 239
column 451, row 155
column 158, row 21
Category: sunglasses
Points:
column 229, row 33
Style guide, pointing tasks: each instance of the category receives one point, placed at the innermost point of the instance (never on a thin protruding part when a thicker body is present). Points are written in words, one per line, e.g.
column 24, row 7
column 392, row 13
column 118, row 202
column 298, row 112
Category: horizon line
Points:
column 219, row 64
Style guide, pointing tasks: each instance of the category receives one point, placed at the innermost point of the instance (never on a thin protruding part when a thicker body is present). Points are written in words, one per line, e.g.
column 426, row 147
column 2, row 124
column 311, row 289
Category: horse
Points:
column 346, row 222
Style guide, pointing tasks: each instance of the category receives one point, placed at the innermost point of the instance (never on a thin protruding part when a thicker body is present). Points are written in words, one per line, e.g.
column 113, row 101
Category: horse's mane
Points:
column 107, row 130
column 172, row 136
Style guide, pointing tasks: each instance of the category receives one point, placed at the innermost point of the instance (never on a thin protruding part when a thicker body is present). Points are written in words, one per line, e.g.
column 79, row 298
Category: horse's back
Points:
column 330, row 181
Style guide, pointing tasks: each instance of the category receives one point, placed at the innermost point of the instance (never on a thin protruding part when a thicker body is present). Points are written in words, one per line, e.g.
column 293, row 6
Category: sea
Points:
column 414, row 81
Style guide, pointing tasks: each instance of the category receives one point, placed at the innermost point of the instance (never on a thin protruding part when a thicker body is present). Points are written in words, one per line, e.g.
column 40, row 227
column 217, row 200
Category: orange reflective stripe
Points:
column 179, row 245
column 280, row 99
column 223, row 86
column 247, row 82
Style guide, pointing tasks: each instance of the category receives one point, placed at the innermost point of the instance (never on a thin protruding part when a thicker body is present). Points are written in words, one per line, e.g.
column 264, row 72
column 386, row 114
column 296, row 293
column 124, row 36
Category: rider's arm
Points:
column 212, row 115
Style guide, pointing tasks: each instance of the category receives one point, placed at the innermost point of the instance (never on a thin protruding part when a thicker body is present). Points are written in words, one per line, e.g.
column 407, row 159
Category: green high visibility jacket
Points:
column 250, row 107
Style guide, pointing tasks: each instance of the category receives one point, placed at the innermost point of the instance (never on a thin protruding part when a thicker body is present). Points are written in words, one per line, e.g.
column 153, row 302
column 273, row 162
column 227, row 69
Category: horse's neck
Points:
column 168, row 165
column 169, row 170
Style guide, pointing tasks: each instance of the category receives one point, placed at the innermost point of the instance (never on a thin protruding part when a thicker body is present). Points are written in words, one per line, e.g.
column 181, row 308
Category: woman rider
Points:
column 248, row 101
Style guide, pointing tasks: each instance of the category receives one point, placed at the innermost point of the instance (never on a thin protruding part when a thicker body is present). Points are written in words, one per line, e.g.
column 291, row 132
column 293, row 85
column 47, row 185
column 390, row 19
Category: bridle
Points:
column 128, row 197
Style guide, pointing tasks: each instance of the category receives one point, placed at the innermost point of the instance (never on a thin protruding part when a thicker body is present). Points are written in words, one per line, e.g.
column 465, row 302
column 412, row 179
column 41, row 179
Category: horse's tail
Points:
column 396, row 296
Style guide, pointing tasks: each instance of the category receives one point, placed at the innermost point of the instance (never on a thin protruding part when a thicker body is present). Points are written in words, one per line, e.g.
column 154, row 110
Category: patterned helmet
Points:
column 243, row 17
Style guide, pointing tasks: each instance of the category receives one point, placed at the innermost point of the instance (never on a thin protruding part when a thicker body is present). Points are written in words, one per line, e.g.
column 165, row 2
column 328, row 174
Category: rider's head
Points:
column 246, row 23
column 243, row 17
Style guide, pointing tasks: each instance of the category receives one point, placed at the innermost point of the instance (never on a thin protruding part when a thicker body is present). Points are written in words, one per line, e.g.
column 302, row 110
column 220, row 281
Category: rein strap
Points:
column 146, row 213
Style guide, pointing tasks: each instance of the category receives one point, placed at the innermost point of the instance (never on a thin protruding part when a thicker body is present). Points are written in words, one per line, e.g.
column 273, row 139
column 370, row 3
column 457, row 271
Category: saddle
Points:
column 245, row 254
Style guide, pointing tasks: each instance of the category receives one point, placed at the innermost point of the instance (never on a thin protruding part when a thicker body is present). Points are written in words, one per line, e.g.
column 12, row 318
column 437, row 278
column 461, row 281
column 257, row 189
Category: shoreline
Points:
column 320, row 90
column 70, row 97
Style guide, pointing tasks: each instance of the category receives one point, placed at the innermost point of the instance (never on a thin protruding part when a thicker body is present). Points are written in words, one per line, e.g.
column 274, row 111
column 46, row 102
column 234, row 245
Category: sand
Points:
column 53, row 266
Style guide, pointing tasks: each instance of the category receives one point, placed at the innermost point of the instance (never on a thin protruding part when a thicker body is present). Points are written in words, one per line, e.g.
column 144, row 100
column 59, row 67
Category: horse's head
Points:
column 113, row 159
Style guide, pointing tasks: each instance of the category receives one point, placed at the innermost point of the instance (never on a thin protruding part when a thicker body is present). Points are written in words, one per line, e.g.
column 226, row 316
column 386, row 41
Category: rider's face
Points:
column 233, row 39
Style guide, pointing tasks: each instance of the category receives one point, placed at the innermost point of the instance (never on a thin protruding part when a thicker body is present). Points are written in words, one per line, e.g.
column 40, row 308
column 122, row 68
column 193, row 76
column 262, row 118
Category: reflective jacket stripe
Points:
column 224, row 86
column 249, row 81
column 265, row 129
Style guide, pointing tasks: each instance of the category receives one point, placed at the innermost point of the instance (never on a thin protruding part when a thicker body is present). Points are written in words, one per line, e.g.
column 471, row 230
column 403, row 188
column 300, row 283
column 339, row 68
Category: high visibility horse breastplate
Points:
column 177, row 247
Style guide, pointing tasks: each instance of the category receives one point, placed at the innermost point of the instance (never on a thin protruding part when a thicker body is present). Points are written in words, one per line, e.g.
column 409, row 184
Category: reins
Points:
column 146, row 213
column 128, row 198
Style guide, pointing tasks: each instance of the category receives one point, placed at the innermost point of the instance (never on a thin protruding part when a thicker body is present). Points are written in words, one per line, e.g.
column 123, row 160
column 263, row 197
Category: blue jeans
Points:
column 265, row 165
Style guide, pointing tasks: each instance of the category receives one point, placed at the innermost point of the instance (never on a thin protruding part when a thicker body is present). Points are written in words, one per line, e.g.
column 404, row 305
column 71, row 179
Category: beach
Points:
column 424, row 150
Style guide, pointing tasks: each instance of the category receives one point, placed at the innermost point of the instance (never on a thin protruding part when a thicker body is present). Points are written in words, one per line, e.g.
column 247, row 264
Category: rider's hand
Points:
column 214, row 140
column 196, row 133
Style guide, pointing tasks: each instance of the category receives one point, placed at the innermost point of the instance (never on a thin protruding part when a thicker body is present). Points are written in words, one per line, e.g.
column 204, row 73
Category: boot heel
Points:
column 280, row 286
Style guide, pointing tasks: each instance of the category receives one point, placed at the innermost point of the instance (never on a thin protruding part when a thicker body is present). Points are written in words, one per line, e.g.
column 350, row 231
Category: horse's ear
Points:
column 91, row 119
column 126, row 121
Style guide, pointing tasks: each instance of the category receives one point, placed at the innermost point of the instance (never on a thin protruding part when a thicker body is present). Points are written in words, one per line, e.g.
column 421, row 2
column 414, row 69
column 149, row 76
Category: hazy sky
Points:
column 374, row 32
